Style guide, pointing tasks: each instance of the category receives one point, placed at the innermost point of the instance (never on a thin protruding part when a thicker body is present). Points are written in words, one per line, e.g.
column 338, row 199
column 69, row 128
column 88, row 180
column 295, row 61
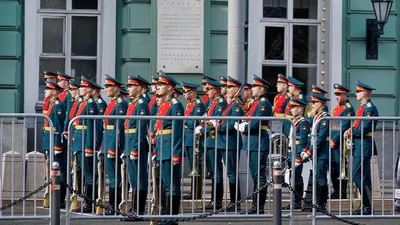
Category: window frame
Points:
column 105, row 57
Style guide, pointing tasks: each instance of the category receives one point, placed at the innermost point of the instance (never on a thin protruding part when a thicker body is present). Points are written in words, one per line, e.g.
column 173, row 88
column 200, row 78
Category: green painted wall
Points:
column 137, row 39
column 11, row 59
column 383, row 74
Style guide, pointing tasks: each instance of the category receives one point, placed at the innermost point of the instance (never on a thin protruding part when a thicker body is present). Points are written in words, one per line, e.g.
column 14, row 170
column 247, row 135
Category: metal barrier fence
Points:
column 131, row 174
column 24, row 184
column 368, row 172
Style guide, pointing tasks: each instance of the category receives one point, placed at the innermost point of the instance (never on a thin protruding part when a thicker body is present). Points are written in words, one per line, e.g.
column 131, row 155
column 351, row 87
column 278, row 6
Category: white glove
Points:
column 198, row 129
column 236, row 126
column 57, row 152
column 122, row 156
column 154, row 157
column 242, row 126
column 88, row 154
column 99, row 153
column 296, row 164
column 304, row 156
column 214, row 123
column 110, row 156
column 175, row 163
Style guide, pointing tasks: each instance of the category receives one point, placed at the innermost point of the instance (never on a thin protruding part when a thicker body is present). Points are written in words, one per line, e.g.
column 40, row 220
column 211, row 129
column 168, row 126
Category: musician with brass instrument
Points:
column 256, row 141
column 302, row 130
column 137, row 147
column 344, row 108
column 363, row 145
column 216, row 107
column 193, row 108
column 229, row 141
column 281, row 100
column 56, row 112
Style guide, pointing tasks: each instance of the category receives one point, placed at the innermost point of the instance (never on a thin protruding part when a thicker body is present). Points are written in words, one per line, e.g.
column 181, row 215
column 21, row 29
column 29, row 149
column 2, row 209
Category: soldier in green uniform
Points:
column 224, row 88
column 169, row 144
column 302, row 130
column 74, row 91
column 363, row 146
column 344, row 108
column 319, row 101
column 230, row 140
column 294, row 91
column 101, row 106
column 83, row 147
column 56, row 113
column 216, row 108
column 65, row 95
column 136, row 144
column 256, row 141
column 113, row 139
column 193, row 108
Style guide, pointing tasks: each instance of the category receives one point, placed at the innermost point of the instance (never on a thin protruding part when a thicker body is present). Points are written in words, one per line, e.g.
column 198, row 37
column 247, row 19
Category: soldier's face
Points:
column 246, row 93
column 187, row 95
column 74, row 92
column 296, row 110
column 281, row 87
column 224, row 90
column 110, row 91
column 83, row 91
column 316, row 106
column 291, row 89
column 211, row 92
column 341, row 98
column 360, row 95
column 232, row 91
column 162, row 89
column 63, row 83
column 133, row 90
column 153, row 88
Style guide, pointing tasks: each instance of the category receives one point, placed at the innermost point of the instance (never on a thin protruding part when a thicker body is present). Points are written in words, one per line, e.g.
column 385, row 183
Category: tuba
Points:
column 347, row 147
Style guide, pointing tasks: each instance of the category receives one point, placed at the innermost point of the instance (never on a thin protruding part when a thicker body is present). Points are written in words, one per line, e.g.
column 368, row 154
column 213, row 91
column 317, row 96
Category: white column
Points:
column 335, row 47
column 236, row 53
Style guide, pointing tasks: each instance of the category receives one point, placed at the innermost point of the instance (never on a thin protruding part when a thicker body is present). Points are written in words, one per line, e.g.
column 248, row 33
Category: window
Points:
column 69, row 38
column 289, row 36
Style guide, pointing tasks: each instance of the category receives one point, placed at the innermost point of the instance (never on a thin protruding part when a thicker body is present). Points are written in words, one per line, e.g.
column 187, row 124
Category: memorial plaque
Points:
column 180, row 38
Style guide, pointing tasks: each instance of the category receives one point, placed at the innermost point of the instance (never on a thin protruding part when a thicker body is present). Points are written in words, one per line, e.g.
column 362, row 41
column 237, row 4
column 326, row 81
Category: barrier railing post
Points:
column 55, row 188
column 277, row 180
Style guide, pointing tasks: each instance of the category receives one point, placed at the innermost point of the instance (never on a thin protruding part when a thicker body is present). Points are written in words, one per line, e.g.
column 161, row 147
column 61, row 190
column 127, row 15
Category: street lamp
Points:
column 375, row 26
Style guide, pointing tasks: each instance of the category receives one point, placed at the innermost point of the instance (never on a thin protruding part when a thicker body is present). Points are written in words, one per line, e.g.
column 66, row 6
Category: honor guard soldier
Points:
column 82, row 146
column 256, row 141
column 64, row 96
column 302, row 129
column 224, row 88
column 294, row 91
column 193, row 108
column 363, row 146
column 318, row 90
column 229, row 141
column 48, row 76
column 169, row 143
column 344, row 108
column 216, row 107
column 204, row 79
column 137, row 148
column 74, row 91
column 153, row 108
column 56, row 113
column 281, row 100
column 146, row 92
column 319, row 101
column 247, row 97
column 113, row 139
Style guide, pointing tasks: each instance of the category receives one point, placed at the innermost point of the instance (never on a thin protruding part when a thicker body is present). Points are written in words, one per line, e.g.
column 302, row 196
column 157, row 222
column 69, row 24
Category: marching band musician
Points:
column 169, row 143
column 56, row 113
column 363, row 145
column 101, row 106
column 83, row 138
column 229, row 141
column 344, row 108
column 302, row 126
column 193, row 108
column 216, row 107
column 252, row 133
column 137, row 147
column 281, row 100
column 319, row 101
column 113, row 132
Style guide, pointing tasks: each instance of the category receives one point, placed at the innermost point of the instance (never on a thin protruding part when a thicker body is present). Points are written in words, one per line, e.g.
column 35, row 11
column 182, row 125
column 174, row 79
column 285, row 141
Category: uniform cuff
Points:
column 298, row 160
column 177, row 159
column 309, row 153
column 58, row 148
column 89, row 150
column 111, row 152
column 134, row 153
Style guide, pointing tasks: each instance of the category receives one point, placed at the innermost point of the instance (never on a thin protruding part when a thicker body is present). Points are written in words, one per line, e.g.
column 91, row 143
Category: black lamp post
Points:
column 375, row 26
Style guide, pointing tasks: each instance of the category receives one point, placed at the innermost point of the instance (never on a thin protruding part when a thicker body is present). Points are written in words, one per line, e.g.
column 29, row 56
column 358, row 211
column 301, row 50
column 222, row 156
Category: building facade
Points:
column 317, row 41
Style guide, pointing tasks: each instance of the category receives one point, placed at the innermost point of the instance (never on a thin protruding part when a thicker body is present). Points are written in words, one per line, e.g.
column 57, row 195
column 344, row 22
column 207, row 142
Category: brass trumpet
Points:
column 347, row 147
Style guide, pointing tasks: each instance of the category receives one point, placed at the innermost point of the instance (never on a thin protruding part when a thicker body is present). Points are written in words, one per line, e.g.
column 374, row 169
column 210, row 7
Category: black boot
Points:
column 112, row 202
column 142, row 202
column 63, row 193
column 258, row 206
column 336, row 187
column 299, row 188
column 344, row 189
column 220, row 195
column 134, row 205
column 87, row 208
column 234, row 197
column 323, row 196
column 210, row 205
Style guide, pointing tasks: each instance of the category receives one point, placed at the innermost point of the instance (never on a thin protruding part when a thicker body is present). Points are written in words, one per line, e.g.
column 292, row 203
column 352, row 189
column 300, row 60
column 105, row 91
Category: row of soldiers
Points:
column 131, row 141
